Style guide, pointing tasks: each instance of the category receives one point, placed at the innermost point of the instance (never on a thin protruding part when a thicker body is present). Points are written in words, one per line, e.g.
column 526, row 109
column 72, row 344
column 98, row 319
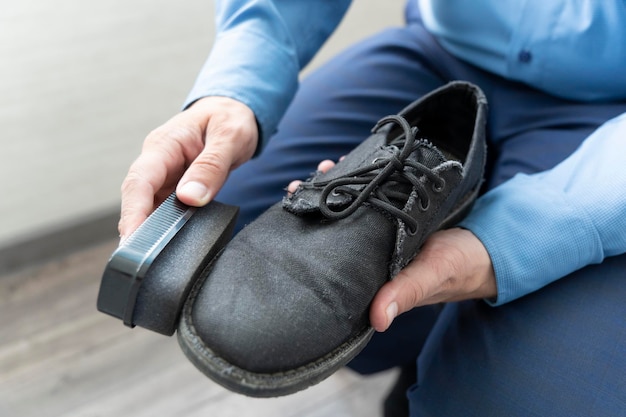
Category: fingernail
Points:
column 391, row 312
column 196, row 191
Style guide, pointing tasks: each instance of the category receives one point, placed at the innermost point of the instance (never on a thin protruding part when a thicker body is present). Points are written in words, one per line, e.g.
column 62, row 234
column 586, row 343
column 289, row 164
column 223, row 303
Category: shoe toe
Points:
column 272, row 304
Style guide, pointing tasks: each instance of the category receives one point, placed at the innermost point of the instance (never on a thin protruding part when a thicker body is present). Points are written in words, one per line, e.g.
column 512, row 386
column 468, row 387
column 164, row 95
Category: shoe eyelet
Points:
column 410, row 232
column 377, row 160
column 439, row 187
column 335, row 193
column 423, row 208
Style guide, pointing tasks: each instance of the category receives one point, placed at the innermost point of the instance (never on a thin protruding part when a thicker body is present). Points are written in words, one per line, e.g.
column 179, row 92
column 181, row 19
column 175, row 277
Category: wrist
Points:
column 479, row 276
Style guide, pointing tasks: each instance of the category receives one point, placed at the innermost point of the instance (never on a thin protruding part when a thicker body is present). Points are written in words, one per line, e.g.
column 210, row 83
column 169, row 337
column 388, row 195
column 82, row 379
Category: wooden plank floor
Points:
column 61, row 357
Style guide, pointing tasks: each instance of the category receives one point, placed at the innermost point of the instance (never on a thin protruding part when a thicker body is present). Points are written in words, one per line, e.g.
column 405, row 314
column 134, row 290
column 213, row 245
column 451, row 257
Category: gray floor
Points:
column 60, row 357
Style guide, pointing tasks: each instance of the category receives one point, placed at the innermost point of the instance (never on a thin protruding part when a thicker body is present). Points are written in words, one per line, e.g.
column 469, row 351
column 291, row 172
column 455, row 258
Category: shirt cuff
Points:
column 534, row 235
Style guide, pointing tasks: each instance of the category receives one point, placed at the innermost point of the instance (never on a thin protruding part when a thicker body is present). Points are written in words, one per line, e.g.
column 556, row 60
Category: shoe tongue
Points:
column 427, row 154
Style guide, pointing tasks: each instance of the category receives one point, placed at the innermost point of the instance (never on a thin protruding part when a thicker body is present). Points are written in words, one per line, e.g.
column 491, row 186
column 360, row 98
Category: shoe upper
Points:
column 296, row 284
column 433, row 152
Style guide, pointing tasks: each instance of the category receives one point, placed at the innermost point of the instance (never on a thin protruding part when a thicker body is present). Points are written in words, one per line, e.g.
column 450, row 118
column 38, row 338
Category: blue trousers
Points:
column 558, row 352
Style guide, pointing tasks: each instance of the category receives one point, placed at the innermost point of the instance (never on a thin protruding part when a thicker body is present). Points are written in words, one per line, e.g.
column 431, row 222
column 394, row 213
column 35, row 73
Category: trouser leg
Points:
column 557, row 352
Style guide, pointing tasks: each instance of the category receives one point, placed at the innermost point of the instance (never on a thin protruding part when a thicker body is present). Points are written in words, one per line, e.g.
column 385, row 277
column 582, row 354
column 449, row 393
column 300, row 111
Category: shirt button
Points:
column 524, row 56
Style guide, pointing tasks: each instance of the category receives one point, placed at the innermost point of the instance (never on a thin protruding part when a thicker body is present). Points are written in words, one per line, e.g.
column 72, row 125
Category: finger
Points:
column 145, row 176
column 155, row 172
column 293, row 186
column 228, row 143
column 325, row 165
column 452, row 265
column 204, row 177
column 423, row 281
column 399, row 295
column 208, row 172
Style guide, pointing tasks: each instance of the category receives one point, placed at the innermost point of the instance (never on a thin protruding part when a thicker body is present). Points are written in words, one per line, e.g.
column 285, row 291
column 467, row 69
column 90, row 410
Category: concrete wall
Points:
column 82, row 83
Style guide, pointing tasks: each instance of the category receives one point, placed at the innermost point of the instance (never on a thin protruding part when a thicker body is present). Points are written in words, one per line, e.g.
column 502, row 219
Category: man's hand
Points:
column 193, row 153
column 452, row 265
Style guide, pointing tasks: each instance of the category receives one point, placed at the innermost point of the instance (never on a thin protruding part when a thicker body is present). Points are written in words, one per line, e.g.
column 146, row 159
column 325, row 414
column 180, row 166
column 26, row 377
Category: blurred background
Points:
column 81, row 84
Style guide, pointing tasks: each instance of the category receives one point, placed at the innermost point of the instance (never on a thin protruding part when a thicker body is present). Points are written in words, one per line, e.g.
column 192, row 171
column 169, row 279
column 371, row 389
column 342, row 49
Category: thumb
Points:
column 399, row 295
column 452, row 265
column 230, row 140
column 204, row 177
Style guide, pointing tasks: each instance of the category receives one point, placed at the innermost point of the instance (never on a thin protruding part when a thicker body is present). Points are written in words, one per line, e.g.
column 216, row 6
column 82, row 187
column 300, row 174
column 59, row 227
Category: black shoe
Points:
column 286, row 304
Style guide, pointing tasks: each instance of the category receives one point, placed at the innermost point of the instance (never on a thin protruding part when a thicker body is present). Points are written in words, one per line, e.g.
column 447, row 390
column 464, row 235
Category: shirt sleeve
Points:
column 259, row 50
column 539, row 228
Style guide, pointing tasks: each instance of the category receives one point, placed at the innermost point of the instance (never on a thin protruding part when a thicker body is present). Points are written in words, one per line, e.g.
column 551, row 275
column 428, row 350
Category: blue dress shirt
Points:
column 539, row 228
column 571, row 49
column 536, row 228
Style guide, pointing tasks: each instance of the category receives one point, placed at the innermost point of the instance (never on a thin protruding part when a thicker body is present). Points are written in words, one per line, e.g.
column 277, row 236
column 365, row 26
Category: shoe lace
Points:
column 387, row 182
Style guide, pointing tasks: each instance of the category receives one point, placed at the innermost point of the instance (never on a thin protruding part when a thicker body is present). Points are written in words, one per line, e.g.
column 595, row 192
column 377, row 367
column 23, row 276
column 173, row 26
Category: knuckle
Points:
column 416, row 294
column 412, row 290
column 133, row 181
column 447, row 264
column 123, row 224
column 442, row 267
column 175, row 140
column 211, row 163
column 230, row 131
